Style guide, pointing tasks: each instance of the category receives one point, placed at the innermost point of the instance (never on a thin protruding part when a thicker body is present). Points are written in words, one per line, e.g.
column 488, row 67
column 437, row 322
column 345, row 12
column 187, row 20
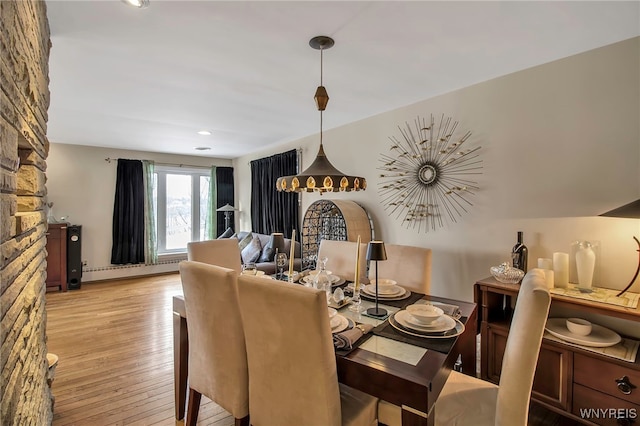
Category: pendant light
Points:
column 321, row 176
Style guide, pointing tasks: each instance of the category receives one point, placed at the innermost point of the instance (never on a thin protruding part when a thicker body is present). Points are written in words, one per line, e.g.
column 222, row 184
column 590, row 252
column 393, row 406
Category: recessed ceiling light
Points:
column 204, row 132
column 137, row 3
column 202, row 148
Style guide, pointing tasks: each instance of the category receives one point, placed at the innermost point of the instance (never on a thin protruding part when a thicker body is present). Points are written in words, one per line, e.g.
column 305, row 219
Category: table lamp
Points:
column 277, row 242
column 630, row 211
column 227, row 209
column 376, row 251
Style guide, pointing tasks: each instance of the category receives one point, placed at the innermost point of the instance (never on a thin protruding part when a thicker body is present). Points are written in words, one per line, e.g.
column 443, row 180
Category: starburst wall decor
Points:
column 428, row 174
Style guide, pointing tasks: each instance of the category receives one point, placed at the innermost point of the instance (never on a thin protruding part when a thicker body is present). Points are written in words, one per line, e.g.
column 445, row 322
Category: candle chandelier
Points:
column 321, row 176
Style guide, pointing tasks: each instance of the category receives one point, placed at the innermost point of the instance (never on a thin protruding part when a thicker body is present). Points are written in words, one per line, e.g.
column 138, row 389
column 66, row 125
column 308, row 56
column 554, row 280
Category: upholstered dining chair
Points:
column 217, row 351
column 223, row 252
column 341, row 258
column 409, row 266
column 292, row 366
column 465, row 400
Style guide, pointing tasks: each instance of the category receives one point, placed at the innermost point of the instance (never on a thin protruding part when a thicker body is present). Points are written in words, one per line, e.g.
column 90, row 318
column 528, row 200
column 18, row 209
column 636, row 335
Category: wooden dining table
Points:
column 412, row 385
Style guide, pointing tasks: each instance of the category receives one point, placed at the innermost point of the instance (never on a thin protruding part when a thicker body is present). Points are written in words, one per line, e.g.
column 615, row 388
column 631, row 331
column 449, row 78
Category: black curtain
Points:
column 273, row 211
column 128, row 214
column 224, row 181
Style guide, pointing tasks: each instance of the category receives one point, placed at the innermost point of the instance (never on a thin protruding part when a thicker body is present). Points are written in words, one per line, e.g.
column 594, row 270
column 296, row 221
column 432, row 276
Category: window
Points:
column 182, row 197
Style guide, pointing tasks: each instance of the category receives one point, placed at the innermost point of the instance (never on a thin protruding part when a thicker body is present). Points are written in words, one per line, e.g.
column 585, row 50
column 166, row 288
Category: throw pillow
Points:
column 268, row 253
column 227, row 233
column 245, row 241
column 252, row 251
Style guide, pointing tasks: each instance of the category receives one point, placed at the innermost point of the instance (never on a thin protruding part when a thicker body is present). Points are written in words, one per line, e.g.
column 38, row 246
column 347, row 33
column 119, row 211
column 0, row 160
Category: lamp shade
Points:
column 226, row 208
column 376, row 251
column 277, row 241
column 631, row 211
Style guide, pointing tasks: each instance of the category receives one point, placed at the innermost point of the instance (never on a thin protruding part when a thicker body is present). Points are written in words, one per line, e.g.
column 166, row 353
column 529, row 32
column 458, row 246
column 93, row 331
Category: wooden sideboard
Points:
column 568, row 379
column 57, row 256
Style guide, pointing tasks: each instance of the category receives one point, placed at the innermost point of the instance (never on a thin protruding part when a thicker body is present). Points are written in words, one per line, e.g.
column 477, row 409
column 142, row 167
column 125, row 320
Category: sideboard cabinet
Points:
column 568, row 379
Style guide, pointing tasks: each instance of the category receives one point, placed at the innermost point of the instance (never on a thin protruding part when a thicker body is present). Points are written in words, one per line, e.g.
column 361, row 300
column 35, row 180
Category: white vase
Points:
column 585, row 264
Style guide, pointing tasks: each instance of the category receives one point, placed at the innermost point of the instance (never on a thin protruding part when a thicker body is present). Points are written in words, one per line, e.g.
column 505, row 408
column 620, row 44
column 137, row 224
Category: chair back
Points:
column 341, row 257
column 292, row 368
column 522, row 349
column 217, row 351
column 223, row 252
column 409, row 266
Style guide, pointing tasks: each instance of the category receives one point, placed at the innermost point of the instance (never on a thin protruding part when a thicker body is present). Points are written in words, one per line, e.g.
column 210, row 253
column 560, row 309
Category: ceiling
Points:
column 150, row 79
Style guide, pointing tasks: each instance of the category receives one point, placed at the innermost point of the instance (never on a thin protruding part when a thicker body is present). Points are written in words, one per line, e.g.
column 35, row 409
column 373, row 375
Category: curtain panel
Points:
column 150, row 236
column 225, row 195
column 128, row 235
column 273, row 211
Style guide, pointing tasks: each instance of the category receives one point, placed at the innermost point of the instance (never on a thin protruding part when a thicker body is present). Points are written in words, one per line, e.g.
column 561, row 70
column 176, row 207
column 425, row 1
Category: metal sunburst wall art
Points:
column 428, row 174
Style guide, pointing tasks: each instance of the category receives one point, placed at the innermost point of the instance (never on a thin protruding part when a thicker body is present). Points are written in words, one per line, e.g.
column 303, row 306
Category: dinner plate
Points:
column 383, row 298
column 341, row 323
column 436, row 325
column 393, row 291
column 600, row 337
column 334, row 279
column 332, row 312
column 458, row 330
column 444, row 323
column 257, row 274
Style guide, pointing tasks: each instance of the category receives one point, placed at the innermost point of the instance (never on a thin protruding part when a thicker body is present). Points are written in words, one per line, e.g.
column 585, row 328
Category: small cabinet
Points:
column 57, row 256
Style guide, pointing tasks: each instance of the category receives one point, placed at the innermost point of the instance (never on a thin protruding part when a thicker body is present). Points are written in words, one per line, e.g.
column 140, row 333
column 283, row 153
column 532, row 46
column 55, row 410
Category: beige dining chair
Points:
column 223, row 252
column 217, row 351
column 341, row 258
column 292, row 366
column 465, row 400
column 409, row 266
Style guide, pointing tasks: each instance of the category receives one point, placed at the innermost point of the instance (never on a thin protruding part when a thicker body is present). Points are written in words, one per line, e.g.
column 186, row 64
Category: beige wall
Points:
column 81, row 184
column 560, row 144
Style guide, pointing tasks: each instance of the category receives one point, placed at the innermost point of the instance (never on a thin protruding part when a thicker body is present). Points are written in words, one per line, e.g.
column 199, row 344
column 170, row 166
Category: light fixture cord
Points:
column 321, row 111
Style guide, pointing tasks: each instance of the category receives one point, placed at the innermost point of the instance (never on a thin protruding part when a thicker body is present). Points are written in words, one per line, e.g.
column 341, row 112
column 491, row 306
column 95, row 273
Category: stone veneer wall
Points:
column 24, row 99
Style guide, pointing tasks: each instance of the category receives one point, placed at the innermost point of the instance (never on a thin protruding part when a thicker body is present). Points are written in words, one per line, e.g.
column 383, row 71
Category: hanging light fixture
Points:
column 321, row 176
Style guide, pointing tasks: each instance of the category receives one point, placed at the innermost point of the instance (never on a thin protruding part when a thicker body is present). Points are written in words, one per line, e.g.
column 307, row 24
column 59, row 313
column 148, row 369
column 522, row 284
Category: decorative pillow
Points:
column 268, row 253
column 245, row 241
column 227, row 233
column 251, row 252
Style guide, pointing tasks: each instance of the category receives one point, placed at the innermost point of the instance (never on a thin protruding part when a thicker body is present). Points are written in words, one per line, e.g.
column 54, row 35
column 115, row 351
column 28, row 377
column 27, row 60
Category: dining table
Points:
column 397, row 371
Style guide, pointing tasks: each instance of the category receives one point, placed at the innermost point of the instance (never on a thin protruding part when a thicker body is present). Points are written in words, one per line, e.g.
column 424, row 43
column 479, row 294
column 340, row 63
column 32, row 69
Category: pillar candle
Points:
column 292, row 254
column 356, row 275
column 549, row 278
column 545, row 263
column 561, row 270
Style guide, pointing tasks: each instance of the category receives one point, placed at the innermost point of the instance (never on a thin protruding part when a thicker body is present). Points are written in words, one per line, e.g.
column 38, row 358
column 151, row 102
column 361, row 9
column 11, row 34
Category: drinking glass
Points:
column 281, row 262
column 356, row 301
column 249, row 268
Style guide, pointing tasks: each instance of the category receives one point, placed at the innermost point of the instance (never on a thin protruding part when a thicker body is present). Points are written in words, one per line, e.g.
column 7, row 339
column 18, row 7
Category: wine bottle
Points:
column 519, row 254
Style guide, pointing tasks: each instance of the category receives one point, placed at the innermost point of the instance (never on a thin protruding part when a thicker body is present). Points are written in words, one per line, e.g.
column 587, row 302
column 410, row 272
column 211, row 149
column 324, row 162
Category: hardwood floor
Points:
column 115, row 346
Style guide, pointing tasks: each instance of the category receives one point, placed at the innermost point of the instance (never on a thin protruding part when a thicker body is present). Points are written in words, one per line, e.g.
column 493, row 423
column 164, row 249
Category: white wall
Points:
column 81, row 184
column 560, row 144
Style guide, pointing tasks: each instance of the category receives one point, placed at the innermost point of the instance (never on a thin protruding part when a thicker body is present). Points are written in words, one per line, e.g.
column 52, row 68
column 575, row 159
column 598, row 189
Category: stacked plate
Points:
column 443, row 327
column 335, row 280
column 385, row 292
column 338, row 323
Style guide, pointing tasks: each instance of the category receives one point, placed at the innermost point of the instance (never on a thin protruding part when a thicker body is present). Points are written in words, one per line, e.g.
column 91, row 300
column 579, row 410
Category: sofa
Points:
column 266, row 260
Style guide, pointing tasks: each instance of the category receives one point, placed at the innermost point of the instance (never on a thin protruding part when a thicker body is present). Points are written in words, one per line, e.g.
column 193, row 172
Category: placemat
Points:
column 440, row 345
column 600, row 295
column 626, row 349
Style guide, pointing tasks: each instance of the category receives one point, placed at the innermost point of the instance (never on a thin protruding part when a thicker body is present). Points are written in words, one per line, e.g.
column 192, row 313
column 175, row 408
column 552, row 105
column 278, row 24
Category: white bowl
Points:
column 579, row 326
column 332, row 312
column 426, row 314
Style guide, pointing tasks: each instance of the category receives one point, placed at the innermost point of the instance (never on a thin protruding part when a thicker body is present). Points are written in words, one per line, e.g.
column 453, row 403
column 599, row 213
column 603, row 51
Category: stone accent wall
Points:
column 24, row 100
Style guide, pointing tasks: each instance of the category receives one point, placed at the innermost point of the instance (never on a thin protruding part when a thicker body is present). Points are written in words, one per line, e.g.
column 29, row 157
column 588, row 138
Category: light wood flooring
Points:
column 115, row 346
